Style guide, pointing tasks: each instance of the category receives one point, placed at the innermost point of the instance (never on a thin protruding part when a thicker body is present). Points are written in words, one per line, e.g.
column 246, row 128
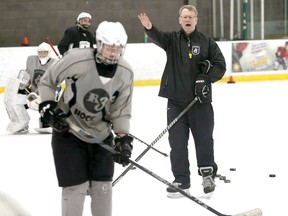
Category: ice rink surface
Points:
column 250, row 135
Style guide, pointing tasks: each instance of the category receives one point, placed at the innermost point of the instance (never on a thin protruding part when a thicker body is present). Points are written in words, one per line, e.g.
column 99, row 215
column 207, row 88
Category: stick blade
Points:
column 252, row 212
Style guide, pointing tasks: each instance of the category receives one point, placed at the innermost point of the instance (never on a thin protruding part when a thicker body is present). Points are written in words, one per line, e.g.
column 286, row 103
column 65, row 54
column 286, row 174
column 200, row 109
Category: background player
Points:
column 26, row 82
column 77, row 36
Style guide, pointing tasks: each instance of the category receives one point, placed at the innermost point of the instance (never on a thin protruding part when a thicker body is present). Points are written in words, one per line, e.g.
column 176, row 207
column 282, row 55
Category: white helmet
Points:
column 81, row 16
column 44, row 47
column 112, row 34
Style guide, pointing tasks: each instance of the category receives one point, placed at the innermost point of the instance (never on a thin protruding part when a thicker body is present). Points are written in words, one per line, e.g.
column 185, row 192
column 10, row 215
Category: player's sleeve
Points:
column 121, row 108
column 65, row 42
column 48, row 83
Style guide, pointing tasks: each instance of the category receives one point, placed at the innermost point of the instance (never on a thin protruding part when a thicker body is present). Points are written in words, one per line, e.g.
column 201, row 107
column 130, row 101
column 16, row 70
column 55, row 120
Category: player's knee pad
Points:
column 101, row 197
column 101, row 188
column 73, row 198
column 75, row 190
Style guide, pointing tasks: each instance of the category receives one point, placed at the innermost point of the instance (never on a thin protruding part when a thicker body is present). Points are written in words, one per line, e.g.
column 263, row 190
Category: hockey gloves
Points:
column 53, row 115
column 202, row 87
column 33, row 101
column 123, row 147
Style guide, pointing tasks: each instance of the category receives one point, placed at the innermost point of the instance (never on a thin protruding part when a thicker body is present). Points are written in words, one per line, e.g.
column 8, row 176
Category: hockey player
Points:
column 79, row 35
column 17, row 89
column 281, row 57
column 97, row 98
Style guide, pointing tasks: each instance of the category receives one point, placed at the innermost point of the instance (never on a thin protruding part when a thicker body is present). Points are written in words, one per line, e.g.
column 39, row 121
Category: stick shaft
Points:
column 253, row 212
column 155, row 140
column 51, row 45
column 164, row 154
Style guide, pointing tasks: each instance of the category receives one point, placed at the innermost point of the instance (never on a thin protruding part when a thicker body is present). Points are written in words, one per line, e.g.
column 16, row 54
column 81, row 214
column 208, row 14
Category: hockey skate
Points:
column 24, row 130
column 18, row 127
column 208, row 179
column 172, row 193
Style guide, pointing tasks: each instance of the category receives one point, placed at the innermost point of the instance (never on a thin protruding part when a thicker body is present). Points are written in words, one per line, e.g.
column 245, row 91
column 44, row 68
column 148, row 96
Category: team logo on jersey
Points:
column 195, row 50
column 95, row 100
column 37, row 76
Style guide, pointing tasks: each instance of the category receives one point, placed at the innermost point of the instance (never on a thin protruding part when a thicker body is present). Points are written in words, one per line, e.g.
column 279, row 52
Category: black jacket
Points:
column 73, row 36
column 178, row 79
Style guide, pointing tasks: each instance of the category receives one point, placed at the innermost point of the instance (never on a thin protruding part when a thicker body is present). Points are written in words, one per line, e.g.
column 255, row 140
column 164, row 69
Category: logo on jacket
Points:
column 37, row 76
column 95, row 100
column 195, row 50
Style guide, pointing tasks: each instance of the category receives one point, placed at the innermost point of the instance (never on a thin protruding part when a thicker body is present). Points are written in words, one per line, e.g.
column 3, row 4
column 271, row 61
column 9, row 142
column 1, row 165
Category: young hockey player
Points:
column 97, row 98
column 17, row 89
column 79, row 35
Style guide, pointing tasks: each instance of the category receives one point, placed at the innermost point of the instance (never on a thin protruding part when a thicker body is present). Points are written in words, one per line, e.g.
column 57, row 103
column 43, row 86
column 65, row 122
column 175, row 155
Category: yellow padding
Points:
column 244, row 78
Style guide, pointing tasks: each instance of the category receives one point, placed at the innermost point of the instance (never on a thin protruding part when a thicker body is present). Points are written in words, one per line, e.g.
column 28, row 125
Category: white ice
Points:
column 250, row 135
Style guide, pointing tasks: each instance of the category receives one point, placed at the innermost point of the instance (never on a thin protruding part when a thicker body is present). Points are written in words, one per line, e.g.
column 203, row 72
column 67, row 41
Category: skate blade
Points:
column 21, row 132
column 44, row 130
column 177, row 195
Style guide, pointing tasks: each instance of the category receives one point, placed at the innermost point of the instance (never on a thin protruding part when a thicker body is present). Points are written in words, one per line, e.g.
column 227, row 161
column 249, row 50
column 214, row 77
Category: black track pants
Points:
column 199, row 119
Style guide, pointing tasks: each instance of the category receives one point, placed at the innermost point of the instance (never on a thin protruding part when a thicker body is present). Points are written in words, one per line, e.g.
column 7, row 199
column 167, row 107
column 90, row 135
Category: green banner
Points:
column 244, row 20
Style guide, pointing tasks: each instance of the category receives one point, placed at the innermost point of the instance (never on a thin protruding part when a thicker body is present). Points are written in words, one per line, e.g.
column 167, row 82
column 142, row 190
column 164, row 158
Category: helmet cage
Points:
column 111, row 40
column 108, row 54
column 44, row 53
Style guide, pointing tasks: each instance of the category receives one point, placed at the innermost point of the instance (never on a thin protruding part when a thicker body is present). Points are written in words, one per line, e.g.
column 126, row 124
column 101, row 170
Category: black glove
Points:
column 53, row 116
column 202, row 87
column 123, row 147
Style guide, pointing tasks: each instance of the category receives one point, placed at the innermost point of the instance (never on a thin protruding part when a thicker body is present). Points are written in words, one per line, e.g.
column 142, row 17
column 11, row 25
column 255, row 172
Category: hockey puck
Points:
column 227, row 181
column 222, row 178
column 232, row 169
column 272, row 175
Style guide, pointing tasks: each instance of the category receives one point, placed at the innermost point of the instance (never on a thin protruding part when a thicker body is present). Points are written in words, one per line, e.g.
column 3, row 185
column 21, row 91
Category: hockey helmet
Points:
column 84, row 23
column 111, row 40
column 44, row 52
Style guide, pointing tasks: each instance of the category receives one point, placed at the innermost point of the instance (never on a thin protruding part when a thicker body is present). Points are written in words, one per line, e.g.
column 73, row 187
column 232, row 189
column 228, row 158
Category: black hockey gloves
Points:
column 53, row 115
column 202, row 87
column 123, row 146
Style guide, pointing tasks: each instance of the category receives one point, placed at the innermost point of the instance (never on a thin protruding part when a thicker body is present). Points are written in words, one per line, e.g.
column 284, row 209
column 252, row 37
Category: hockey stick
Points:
column 136, row 138
column 207, row 65
column 51, row 45
column 253, row 212
column 156, row 140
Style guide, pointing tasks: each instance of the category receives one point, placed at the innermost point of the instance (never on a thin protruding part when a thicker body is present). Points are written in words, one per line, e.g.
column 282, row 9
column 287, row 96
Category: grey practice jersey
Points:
column 92, row 102
column 36, row 70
